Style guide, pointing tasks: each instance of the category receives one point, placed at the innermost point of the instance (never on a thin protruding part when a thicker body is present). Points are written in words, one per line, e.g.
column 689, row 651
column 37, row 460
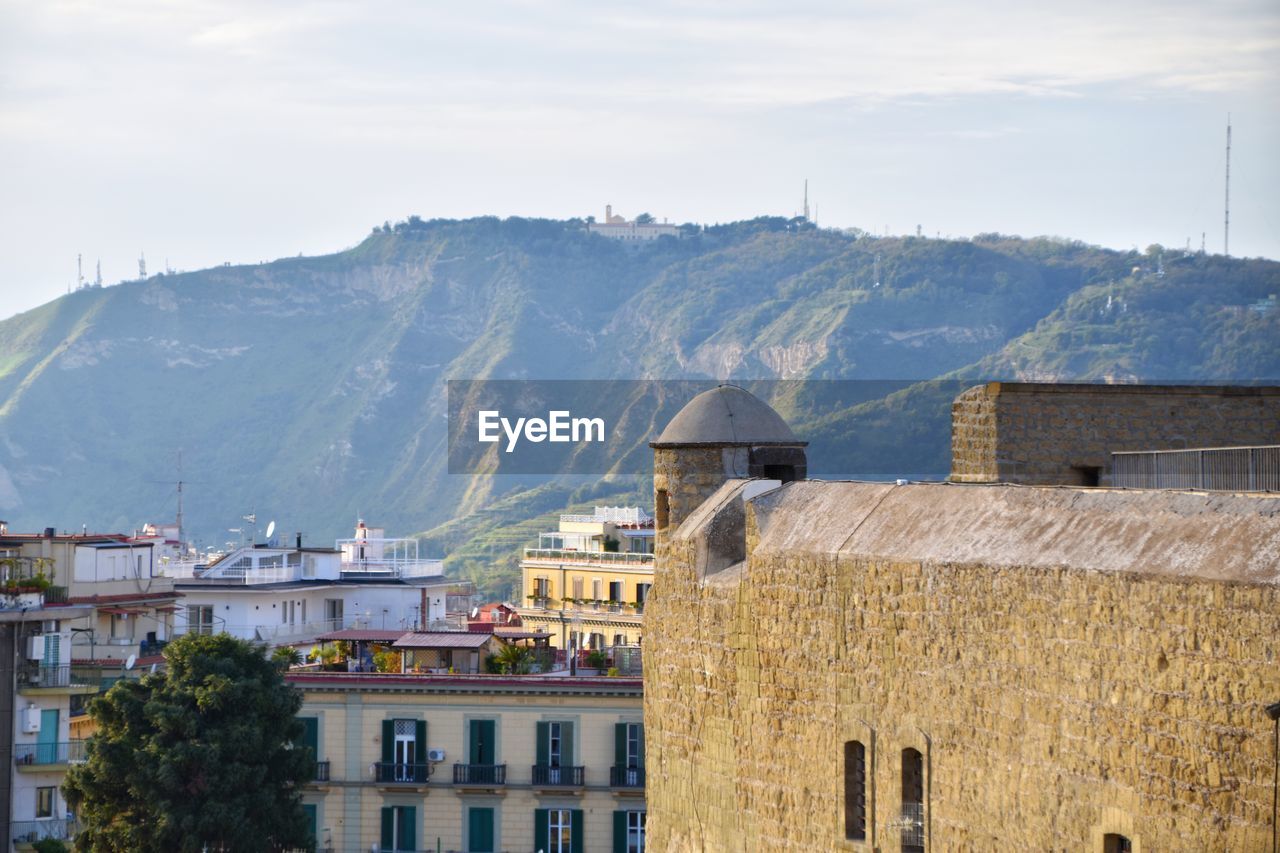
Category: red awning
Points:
column 122, row 611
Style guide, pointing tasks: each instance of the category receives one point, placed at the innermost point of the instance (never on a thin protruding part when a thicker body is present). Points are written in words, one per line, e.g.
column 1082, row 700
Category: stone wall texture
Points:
column 1044, row 434
column 1070, row 662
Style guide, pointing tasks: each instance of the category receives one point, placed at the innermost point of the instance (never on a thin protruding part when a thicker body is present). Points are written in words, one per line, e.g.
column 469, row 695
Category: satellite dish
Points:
column 475, row 611
column 131, row 661
column 153, row 669
column 271, row 528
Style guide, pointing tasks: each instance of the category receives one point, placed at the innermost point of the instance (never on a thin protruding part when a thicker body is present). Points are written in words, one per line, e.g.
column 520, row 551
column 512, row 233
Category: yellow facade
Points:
column 605, row 595
column 351, row 714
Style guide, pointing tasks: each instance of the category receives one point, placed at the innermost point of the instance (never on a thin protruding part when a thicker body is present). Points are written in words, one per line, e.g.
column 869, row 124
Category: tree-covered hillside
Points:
column 310, row 390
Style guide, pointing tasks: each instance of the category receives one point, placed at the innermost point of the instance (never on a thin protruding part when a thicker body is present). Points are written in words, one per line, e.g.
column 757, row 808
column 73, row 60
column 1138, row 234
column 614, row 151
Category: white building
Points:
column 620, row 228
column 290, row 595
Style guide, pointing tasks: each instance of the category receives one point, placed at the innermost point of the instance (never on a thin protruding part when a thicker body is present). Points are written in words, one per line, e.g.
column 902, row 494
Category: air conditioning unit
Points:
column 35, row 647
column 31, row 720
column 435, row 755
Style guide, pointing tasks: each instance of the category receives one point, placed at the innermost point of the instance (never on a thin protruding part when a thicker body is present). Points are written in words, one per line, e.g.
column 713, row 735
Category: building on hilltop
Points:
column 955, row 666
column 586, row 584
column 474, row 763
column 619, row 228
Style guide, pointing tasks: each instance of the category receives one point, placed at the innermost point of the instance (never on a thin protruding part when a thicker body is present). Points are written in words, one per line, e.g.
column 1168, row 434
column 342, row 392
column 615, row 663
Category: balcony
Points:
column 480, row 775
column 400, row 773
column 545, row 776
column 33, row 676
column 322, row 771
column 28, row 832
column 626, row 777
column 43, row 756
column 603, row 558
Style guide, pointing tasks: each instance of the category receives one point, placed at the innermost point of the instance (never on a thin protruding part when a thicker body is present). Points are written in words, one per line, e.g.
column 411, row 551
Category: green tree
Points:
column 644, row 219
column 513, row 660
column 200, row 756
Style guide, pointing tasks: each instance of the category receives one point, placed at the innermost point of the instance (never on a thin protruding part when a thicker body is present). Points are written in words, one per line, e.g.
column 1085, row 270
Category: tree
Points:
column 513, row 660
column 644, row 219
column 200, row 756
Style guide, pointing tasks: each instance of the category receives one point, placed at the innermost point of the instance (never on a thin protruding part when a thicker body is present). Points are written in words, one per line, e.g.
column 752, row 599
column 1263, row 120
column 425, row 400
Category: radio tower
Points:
column 806, row 199
column 1226, row 216
column 142, row 266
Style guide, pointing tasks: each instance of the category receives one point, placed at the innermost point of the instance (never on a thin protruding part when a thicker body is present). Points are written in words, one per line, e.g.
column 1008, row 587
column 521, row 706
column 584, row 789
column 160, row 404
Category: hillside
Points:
column 310, row 390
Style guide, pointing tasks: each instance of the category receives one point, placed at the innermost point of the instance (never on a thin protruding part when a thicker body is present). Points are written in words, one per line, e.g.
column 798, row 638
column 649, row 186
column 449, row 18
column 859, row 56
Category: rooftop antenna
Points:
column 97, row 279
column 1226, row 210
column 79, row 271
column 806, row 199
column 142, row 266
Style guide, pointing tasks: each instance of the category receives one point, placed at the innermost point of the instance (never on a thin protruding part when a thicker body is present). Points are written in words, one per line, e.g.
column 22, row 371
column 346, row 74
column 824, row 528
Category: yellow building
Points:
column 586, row 584
column 475, row 763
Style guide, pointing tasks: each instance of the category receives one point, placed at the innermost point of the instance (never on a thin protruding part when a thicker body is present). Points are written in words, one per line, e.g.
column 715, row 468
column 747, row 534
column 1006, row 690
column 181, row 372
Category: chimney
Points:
column 49, row 532
column 299, row 536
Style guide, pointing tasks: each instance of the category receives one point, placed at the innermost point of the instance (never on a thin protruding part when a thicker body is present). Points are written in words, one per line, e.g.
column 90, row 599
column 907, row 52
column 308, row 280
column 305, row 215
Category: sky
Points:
column 199, row 133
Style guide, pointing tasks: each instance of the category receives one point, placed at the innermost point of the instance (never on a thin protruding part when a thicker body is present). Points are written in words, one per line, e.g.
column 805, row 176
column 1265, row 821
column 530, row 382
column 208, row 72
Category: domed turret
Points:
column 723, row 433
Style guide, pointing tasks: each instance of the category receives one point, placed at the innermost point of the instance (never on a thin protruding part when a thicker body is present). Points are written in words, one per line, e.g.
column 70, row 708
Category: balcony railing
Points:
column 31, row 831
column 322, row 771
column 56, row 595
column 26, row 754
column 560, row 555
column 626, row 777
column 33, row 674
column 395, row 772
column 569, row 777
column 479, row 774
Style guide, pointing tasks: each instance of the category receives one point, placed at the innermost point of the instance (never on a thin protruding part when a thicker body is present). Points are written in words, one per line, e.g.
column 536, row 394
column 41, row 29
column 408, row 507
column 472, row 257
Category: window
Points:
column 615, row 592
column 399, row 828
column 1113, row 842
column 121, row 626
column 555, row 754
column 480, row 830
column 855, row 791
column 333, row 613
column 558, row 830
column 642, row 594
column 661, row 509
column 912, row 801
column 484, row 741
column 577, row 588
column 200, row 618
column 628, row 831
column 404, row 749
column 44, row 801
column 596, row 586
column 628, row 755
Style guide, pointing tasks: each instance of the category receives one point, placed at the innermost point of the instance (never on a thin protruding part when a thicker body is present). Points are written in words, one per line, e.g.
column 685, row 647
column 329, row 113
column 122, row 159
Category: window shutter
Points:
column 575, row 831
column 620, row 745
column 388, row 740
column 544, row 744
column 541, row 827
column 420, row 742
column 480, row 830
column 566, row 745
column 483, row 745
column 388, row 821
column 312, row 820
column 619, row 832
column 311, row 734
column 408, row 828
column 640, row 758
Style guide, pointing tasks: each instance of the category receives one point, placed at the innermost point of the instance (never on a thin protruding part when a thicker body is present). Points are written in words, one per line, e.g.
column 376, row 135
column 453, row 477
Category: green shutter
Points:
column 312, row 820
column 408, row 828
column 310, row 736
column 640, row 761
column 480, row 830
column 576, row 831
column 541, row 826
column 483, row 745
column 619, row 832
column 388, row 741
column 420, row 742
column 544, row 744
column 566, row 744
column 620, row 745
column 388, row 821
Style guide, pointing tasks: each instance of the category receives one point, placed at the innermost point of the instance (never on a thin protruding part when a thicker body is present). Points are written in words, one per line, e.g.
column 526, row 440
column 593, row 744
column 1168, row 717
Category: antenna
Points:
column 97, row 279
column 142, row 266
column 806, row 199
column 79, row 271
column 1226, row 209
column 877, row 273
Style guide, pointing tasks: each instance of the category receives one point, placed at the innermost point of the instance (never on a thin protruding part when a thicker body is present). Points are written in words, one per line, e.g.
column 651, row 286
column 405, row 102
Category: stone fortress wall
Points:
column 1015, row 432
column 1069, row 662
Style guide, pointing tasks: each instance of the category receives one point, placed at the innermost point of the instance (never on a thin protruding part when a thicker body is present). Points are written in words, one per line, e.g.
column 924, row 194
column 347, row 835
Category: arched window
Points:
column 855, row 790
column 912, row 801
column 1114, row 842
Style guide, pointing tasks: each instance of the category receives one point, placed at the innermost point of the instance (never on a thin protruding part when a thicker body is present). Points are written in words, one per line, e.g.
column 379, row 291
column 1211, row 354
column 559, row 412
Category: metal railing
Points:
column 322, row 771
column 30, row 831
column 56, row 595
column 911, row 825
column 34, row 674
column 570, row 777
column 479, row 774
column 559, row 555
column 1239, row 469
column 626, row 777
column 29, row 754
column 396, row 772
column 393, row 568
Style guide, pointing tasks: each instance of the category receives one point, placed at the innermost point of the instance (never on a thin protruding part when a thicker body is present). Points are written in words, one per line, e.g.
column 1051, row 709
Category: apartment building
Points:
column 474, row 763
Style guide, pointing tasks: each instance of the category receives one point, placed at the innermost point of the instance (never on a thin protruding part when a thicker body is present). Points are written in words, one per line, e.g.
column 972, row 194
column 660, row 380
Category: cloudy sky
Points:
column 204, row 132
